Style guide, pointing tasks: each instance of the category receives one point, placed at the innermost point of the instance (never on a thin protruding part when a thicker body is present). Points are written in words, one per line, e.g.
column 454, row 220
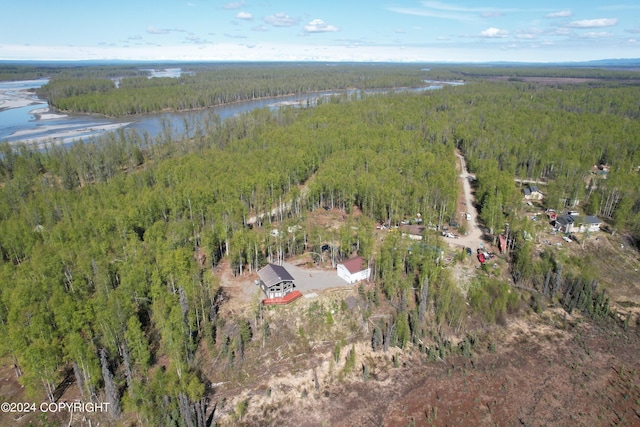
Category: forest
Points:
column 108, row 248
column 202, row 87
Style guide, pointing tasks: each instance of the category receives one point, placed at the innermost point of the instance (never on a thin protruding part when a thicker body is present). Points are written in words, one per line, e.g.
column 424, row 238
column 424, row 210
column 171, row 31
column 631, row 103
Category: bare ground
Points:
column 544, row 371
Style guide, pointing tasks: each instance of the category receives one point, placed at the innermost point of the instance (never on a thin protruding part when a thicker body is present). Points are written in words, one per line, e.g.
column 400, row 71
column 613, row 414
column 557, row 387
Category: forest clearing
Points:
column 129, row 265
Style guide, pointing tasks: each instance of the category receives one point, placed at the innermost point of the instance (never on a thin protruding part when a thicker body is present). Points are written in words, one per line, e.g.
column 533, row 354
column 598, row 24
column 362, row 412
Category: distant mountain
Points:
column 599, row 63
column 621, row 62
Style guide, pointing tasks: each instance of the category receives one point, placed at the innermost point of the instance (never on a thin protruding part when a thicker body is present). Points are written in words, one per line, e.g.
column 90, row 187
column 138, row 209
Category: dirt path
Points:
column 473, row 238
column 283, row 207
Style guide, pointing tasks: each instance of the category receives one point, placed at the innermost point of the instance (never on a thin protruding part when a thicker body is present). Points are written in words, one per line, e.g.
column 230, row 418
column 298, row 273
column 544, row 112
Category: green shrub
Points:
column 492, row 299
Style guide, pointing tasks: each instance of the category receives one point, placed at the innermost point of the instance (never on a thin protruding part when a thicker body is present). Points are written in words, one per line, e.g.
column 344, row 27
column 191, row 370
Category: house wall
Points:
column 345, row 275
column 569, row 228
column 588, row 227
column 277, row 291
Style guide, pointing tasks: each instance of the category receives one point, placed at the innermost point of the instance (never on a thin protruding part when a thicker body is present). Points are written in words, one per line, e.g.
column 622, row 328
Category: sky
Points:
column 324, row 30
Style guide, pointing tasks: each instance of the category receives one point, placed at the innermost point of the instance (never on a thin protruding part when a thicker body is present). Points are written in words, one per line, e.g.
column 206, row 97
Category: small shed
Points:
column 275, row 281
column 354, row 270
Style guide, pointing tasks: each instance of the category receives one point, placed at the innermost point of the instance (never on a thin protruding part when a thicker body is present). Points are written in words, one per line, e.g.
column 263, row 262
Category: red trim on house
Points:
column 290, row 297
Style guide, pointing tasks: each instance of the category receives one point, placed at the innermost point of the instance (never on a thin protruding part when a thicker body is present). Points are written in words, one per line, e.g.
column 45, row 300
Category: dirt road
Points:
column 473, row 238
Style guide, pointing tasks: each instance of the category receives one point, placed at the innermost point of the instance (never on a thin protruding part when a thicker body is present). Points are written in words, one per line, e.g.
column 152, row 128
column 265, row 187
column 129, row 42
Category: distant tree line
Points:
column 216, row 85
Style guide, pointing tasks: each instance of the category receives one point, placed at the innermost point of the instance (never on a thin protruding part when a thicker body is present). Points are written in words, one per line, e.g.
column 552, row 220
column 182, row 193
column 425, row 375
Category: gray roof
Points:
column 273, row 274
column 591, row 220
column 565, row 219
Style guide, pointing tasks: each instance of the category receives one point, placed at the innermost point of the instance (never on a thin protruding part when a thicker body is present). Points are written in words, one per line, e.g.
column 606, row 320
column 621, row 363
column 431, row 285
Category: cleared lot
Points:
column 310, row 280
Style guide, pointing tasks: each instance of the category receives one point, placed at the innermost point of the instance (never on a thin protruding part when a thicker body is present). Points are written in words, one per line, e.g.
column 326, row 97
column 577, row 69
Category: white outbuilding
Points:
column 354, row 270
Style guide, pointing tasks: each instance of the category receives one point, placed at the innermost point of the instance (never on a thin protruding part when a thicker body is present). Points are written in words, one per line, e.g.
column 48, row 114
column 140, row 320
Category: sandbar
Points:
column 12, row 98
column 58, row 134
column 66, row 135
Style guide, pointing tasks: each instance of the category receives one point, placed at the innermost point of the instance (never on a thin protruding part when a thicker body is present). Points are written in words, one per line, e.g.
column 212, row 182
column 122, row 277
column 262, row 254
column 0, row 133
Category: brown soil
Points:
column 548, row 371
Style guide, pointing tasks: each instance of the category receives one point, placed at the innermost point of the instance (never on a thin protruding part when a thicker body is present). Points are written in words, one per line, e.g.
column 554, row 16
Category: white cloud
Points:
column 561, row 32
column 234, row 5
column 192, row 38
column 153, row 30
column 438, row 5
column 259, row 28
column 529, row 33
column 561, row 14
column 244, row 15
column 635, row 30
column 594, row 23
column 437, row 9
column 234, row 51
column 597, row 35
column 319, row 26
column 281, row 20
column 493, row 33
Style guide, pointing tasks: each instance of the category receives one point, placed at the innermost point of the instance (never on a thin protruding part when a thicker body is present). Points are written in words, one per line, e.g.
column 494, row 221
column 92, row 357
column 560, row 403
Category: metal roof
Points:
column 273, row 274
column 355, row 265
column 591, row 220
column 565, row 219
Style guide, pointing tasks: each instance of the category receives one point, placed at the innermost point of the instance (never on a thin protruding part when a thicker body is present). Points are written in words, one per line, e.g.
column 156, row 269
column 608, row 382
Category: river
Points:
column 24, row 118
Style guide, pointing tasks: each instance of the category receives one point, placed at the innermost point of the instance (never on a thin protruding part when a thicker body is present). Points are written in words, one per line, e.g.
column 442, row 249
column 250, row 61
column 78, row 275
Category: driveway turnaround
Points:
column 310, row 280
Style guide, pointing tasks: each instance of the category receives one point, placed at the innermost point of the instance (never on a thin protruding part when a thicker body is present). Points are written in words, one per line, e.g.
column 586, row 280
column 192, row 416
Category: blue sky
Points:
column 327, row 30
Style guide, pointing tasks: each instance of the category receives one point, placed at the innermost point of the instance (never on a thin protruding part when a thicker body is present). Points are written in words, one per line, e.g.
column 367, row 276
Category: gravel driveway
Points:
column 311, row 280
column 474, row 238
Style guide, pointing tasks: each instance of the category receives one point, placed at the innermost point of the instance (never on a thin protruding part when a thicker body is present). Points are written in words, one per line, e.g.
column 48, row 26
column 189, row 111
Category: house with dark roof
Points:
column 354, row 270
column 590, row 223
column 578, row 224
column 565, row 223
column 532, row 192
column 275, row 281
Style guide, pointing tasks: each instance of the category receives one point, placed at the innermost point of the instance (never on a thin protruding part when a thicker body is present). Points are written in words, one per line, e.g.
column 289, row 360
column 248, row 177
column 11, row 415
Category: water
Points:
column 37, row 124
